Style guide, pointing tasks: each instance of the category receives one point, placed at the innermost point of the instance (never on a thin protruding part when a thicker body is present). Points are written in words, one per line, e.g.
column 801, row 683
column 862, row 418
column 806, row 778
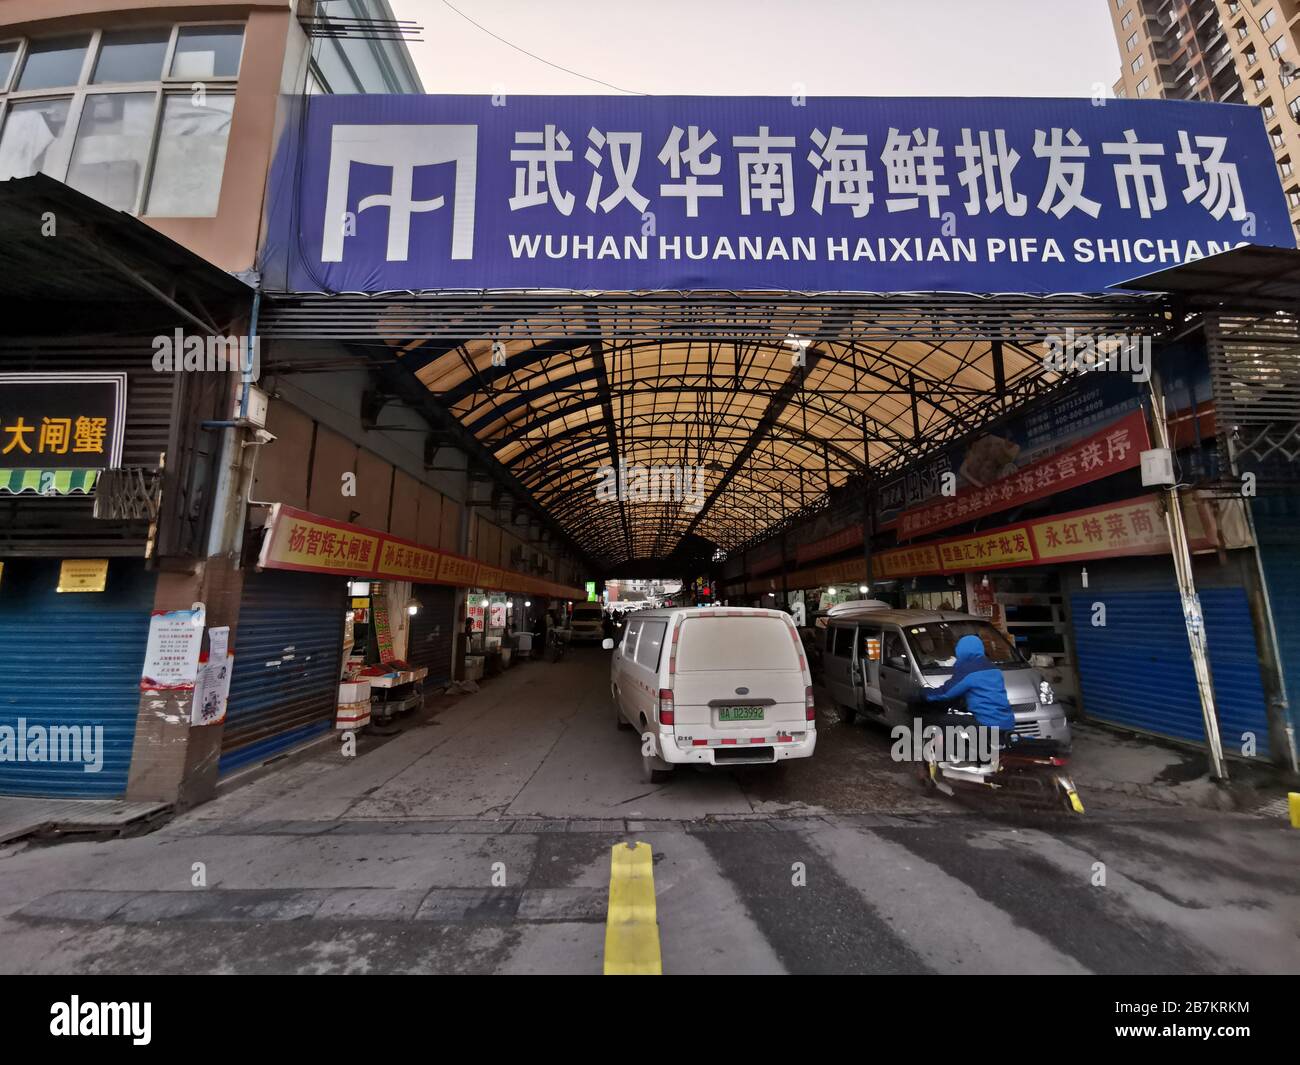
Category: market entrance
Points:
column 693, row 344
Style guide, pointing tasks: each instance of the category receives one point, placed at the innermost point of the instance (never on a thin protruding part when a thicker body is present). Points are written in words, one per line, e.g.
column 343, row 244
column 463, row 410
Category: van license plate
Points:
column 740, row 713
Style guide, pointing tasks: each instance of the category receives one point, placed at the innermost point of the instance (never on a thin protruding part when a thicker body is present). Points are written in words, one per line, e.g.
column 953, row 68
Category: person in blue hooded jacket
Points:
column 978, row 682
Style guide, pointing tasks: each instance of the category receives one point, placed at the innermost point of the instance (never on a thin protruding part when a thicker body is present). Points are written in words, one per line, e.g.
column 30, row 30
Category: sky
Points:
column 767, row 47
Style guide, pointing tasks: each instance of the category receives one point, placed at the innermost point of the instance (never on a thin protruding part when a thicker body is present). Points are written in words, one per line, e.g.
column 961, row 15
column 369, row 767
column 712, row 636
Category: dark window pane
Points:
column 207, row 52
column 53, row 63
column 131, row 55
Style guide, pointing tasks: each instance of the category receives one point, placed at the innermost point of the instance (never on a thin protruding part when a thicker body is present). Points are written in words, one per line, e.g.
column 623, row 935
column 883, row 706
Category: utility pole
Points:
column 1193, row 618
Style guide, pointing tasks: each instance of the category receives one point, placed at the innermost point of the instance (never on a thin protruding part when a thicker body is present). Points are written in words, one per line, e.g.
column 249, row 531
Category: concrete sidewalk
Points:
column 1127, row 764
column 23, row 816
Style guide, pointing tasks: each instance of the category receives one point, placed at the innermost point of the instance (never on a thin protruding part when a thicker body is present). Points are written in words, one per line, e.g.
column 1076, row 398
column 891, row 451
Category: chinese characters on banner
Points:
column 1116, row 447
column 383, row 627
column 57, row 421
column 840, row 194
column 298, row 540
column 1133, row 527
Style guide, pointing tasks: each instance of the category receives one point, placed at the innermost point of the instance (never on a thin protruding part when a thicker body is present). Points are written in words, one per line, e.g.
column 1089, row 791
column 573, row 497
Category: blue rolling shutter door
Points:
column 72, row 659
column 288, row 655
column 1136, row 670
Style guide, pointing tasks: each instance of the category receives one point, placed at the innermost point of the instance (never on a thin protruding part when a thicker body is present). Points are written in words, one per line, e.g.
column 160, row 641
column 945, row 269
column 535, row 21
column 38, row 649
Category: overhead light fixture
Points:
column 830, row 591
column 413, row 607
column 528, row 602
column 863, row 589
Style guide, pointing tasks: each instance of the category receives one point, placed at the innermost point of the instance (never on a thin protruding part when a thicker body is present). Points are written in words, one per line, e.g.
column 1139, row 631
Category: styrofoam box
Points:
column 353, row 715
column 354, row 692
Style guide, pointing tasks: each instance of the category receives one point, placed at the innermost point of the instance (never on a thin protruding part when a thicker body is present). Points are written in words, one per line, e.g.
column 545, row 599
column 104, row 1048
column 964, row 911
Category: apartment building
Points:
column 1230, row 51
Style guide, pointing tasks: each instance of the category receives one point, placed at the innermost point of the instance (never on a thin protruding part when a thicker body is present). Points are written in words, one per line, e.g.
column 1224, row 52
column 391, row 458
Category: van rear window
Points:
column 736, row 643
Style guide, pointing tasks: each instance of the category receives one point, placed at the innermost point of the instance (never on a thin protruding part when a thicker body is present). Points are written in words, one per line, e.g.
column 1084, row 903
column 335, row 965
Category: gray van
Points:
column 876, row 660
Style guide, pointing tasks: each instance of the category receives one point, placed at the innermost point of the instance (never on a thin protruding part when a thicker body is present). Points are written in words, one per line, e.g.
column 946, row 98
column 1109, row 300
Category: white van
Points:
column 587, row 623
column 713, row 686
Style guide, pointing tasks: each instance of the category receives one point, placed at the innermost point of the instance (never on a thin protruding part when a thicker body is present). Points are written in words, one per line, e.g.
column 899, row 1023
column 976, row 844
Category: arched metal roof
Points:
column 711, row 382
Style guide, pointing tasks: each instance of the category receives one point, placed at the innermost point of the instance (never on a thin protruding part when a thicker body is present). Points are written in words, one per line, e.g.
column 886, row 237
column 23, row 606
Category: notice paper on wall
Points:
column 171, row 657
column 212, row 689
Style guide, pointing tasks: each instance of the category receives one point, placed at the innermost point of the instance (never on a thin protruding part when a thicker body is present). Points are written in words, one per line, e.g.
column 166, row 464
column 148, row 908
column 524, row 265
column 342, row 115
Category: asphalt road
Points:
column 479, row 841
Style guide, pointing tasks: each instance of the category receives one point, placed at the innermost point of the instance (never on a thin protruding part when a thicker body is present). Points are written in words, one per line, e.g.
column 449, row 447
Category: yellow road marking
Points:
column 631, row 924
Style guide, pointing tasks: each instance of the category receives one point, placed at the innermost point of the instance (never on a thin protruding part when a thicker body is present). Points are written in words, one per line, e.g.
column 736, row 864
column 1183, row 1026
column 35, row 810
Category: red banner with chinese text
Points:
column 1111, row 450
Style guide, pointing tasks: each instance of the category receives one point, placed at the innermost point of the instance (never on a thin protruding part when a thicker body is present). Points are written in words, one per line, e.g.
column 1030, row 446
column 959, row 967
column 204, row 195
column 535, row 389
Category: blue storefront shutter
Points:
column 72, row 659
column 288, row 656
column 1136, row 670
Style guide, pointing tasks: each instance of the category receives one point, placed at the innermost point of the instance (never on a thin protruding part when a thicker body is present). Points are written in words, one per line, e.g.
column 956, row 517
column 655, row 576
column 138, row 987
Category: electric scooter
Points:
column 1030, row 770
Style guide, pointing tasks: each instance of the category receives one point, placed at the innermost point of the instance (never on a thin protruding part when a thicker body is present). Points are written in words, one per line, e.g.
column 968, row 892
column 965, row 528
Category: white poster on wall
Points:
column 212, row 690
column 171, row 657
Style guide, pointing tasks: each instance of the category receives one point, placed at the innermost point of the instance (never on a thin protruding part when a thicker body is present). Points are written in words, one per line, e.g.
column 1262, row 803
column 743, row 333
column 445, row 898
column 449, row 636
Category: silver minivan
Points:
column 876, row 662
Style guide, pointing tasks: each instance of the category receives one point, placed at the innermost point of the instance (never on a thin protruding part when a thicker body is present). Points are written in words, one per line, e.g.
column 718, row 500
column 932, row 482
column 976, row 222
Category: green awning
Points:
column 48, row 482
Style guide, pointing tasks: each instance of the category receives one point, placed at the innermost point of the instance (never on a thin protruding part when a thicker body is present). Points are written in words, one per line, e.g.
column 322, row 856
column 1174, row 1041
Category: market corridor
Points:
column 540, row 741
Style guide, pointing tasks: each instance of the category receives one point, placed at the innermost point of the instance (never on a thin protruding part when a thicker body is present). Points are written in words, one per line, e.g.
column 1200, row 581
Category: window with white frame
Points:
column 139, row 119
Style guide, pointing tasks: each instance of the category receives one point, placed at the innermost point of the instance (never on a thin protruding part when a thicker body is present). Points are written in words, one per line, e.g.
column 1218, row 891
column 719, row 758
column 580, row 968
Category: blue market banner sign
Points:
column 381, row 193
column 1068, row 416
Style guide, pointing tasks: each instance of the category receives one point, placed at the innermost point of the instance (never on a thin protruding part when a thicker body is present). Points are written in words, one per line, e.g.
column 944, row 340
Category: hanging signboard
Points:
column 399, row 193
column 62, row 421
column 299, row 540
column 1112, row 530
column 1116, row 447
column 1006, row 446
column 383, row 628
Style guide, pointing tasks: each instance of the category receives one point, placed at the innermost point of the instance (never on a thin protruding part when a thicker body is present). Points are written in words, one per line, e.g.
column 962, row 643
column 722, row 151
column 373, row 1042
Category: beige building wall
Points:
column 1229, row 51
column 230, row 238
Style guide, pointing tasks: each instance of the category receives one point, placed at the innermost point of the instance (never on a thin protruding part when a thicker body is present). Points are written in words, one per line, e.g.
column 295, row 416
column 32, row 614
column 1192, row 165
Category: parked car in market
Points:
column 713, row 686
column 588, row 623
column 877, row 661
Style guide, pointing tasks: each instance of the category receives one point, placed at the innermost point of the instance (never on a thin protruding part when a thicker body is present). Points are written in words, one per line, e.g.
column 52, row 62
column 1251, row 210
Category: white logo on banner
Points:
column 401, row 149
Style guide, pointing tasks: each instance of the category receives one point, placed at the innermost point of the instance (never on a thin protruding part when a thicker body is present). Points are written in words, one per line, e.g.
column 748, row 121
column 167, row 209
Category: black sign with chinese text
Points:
column 62, row 420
